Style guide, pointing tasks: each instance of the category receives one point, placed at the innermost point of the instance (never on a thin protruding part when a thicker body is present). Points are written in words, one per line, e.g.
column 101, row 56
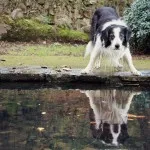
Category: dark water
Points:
column 55, row 119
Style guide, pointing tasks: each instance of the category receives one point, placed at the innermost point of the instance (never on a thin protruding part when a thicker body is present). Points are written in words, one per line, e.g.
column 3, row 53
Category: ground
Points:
column 54, row 55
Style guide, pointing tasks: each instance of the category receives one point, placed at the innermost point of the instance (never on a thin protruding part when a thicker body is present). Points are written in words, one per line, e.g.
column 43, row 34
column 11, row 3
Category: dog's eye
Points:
column 121, row 36
column 112, row 36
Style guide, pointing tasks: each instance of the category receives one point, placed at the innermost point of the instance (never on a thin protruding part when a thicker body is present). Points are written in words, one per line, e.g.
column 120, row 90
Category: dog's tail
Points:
column 89, row 48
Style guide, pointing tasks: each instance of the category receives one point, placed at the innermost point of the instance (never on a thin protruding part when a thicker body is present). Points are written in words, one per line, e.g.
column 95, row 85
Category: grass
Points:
column 55, row 49
column 56, row 55
column 50, row 61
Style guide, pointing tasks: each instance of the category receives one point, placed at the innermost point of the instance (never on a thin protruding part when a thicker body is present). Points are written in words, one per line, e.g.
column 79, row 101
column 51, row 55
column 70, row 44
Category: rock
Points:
column 63, row 20
column 46, row 5
column 1, row 9
column 17, row 13
column 22, row 6
column 3, row 29
column 51, row 12
column 41, row 2
column 86, row 29
column 66, row 69
column 90, row 2
column 85, row 25
column 28, row 3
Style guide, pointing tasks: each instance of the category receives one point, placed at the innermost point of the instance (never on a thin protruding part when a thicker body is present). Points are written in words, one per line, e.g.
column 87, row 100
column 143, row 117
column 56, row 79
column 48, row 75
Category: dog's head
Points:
column 116, row 37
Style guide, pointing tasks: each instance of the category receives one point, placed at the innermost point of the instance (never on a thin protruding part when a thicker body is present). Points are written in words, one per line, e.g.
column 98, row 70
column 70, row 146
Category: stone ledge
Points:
column 44, row 74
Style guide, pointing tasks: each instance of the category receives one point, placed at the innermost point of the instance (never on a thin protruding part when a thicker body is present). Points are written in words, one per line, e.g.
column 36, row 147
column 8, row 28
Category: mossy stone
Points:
column 31, row 30
column 27, row 30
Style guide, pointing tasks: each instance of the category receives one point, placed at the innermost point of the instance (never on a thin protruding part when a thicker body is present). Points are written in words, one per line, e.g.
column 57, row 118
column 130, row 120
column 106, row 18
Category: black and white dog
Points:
column 109, row 36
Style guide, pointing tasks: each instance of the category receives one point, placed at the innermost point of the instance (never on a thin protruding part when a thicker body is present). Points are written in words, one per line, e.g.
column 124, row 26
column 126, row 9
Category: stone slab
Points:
column 45, row 74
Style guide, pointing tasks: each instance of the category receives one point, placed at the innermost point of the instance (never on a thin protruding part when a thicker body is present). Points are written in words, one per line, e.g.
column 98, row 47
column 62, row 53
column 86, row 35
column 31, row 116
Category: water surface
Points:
column 74, row 119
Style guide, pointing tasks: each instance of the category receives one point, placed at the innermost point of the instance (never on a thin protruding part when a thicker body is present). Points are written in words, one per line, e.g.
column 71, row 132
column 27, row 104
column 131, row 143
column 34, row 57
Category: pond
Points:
column 56, row 118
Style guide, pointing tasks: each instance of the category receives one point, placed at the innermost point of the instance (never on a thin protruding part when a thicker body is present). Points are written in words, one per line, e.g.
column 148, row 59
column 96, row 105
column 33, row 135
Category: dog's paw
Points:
column 137, row 73
column 97, row 66
column 119, row 68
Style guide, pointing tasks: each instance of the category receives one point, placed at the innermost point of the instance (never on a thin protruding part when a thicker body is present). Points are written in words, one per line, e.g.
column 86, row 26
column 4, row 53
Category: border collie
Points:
column 109, row 36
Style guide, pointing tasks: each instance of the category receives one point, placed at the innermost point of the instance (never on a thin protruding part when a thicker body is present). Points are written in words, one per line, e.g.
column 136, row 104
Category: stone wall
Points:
column 74, row 14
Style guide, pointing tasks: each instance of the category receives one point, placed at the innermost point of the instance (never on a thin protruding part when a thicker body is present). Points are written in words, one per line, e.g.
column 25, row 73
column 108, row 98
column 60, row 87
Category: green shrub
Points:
column 69, row 35
column 138, row 18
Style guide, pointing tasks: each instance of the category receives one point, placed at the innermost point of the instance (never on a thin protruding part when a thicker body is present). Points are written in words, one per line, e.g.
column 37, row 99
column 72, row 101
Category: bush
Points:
column 138, row 18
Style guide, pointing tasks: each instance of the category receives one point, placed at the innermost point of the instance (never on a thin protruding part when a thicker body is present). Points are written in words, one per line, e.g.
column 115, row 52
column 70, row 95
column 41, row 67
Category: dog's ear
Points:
column 104, row 34
column 127, row 33
column 104, row 38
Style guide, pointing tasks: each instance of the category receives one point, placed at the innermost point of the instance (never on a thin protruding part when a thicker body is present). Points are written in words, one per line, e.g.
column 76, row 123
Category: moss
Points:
column 27, row 30
column 6, row 19
column 72, row 35
column 32, row 29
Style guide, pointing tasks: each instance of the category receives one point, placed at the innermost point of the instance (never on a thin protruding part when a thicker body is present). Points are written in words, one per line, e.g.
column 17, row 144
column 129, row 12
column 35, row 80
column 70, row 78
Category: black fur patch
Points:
column 105, row 36
column 127, row 35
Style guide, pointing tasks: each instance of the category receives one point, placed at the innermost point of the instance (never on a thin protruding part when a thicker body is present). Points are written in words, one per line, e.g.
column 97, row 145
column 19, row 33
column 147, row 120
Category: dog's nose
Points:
column 117, row 46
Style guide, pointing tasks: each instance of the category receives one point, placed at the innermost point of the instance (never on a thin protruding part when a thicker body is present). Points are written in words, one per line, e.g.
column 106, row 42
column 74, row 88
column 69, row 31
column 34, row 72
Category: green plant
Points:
column 72, row 35
column 26, row 30
column 138, row 18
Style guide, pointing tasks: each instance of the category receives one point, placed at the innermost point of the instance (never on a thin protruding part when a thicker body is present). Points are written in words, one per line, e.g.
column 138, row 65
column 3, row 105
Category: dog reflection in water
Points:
column 109, row 114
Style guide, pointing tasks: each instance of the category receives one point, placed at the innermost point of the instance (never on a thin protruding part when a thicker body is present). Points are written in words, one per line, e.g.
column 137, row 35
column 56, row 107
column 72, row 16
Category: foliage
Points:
column 72, row 35
column 138, row 18
column 44, row 19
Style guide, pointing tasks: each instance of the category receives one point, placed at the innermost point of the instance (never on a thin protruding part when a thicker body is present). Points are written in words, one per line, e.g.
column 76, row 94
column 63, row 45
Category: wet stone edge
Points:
column 39, row 74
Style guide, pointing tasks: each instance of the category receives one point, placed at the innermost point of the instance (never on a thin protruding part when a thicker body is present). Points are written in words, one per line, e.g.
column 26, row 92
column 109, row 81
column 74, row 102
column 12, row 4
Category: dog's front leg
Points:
column 94, row 54
column 117, row 65
column 129, row 61
column 98, row 61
